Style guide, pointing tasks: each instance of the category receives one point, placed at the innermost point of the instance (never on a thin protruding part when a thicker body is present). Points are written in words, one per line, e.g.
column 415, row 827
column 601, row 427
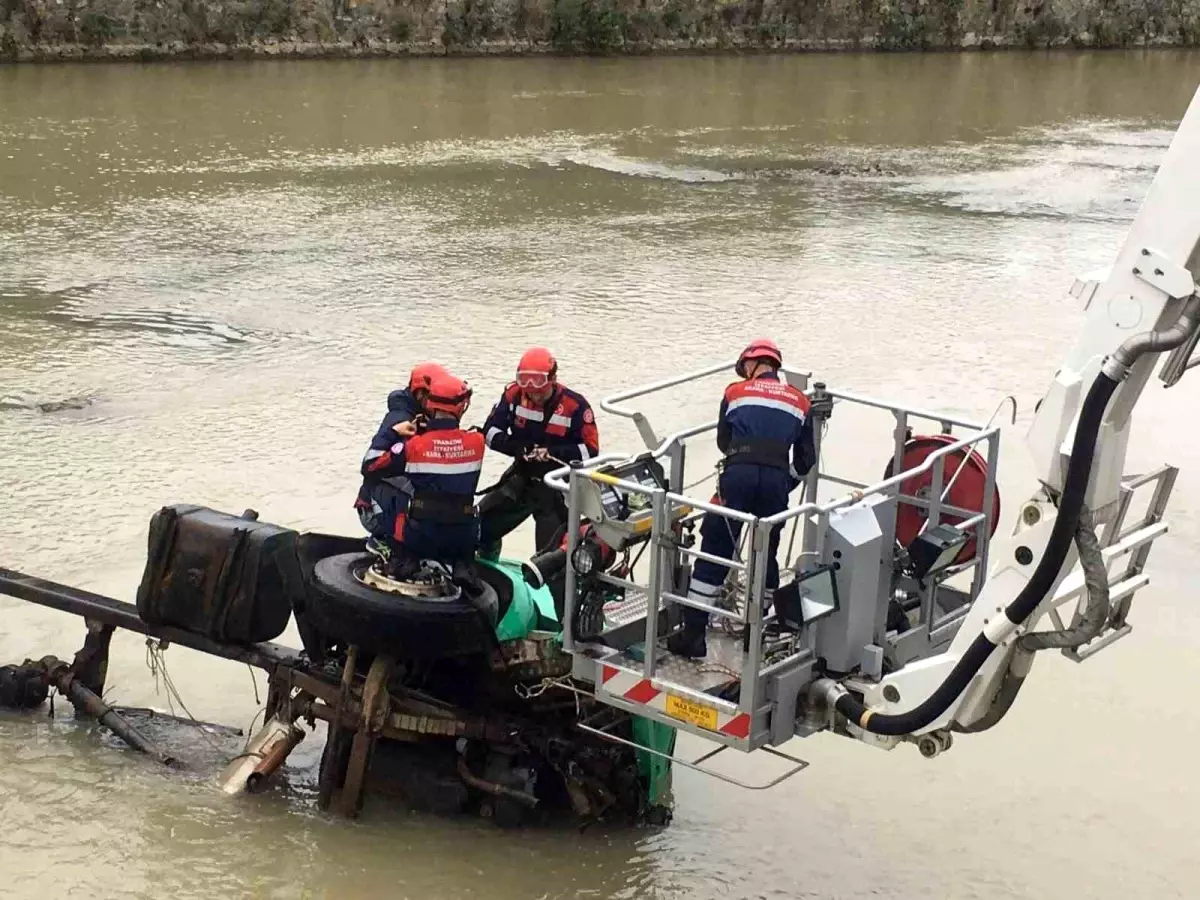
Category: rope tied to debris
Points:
column 559, row 681
column 530, row 692
column 156, row 661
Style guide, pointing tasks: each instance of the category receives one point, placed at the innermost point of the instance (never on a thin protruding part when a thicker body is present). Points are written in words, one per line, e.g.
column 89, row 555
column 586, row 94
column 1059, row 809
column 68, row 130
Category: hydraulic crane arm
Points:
column 1146, row 305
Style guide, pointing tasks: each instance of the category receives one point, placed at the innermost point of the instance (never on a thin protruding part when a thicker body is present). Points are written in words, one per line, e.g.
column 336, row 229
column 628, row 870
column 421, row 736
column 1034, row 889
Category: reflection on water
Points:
column 235, row 262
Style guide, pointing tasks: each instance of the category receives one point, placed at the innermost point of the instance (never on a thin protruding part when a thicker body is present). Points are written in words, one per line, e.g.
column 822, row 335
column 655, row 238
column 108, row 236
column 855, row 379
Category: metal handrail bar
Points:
column 725, row 511
column 679, row 437
column 697, row 604
column 605, row 578
column 685, row 433
column 912, row 411
column 635, row 488
column 712, row 558
column 797, row 763
column 609, row 404
column 555, row 478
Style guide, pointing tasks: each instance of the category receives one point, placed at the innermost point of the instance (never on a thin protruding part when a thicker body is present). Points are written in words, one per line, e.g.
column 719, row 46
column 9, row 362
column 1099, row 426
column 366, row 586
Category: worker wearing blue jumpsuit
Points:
column 381, row 494
column 435, row 518
column 766, row 435
column 543, row 425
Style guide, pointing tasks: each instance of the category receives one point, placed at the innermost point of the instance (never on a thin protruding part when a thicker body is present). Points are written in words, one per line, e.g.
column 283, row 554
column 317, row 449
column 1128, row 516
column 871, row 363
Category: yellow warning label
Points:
column 691, row 712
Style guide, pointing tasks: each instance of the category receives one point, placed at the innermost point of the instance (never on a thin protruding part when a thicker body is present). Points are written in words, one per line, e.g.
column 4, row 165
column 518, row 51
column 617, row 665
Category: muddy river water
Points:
column 227, row 266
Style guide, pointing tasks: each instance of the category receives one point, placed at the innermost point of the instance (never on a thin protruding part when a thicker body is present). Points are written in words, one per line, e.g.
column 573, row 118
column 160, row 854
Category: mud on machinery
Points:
column 902, row 616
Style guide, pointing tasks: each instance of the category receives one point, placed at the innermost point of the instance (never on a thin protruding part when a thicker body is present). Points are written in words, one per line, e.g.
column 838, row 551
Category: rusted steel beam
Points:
column 115, row 613
column 402, row 727
column 59, row 674
column 91, row 662
column 409, row 717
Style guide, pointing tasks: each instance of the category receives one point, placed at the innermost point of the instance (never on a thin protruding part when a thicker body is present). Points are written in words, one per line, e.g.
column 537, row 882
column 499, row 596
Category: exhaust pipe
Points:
column 256, row 781
column 263, row 755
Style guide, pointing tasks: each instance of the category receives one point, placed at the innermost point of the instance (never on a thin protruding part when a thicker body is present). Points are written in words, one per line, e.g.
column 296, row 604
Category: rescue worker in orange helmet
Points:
column 766, row 435
column 436, row 517
column 542, row 425
column 377, row 496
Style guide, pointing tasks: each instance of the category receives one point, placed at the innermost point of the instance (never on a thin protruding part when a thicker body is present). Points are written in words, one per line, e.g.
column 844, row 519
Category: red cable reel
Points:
column 967, row 491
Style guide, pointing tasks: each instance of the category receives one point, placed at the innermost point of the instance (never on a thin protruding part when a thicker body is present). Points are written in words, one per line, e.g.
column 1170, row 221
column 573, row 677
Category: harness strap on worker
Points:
column 759, row 451
column 438, row 506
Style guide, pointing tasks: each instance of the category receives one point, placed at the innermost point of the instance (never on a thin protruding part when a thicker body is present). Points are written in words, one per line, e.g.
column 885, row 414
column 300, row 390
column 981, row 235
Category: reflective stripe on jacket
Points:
column 565, row 425
column 765, row 421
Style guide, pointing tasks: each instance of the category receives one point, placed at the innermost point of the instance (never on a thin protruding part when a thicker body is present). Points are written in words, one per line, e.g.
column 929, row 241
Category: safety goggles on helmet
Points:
column 537, row 369
column 533, row 381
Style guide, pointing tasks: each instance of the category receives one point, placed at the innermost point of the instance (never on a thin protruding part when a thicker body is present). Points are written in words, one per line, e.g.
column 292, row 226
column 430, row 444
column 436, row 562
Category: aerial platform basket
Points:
column 902, row 546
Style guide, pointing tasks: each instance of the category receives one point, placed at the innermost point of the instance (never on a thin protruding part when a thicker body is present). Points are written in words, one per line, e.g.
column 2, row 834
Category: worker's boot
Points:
column 403, row 566
column 463, row 574
column 688, row 642
column 380, row 550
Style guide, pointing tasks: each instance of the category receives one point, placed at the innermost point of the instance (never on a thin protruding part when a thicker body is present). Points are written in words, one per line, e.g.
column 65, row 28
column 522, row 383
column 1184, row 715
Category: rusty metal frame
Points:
column 358, row 709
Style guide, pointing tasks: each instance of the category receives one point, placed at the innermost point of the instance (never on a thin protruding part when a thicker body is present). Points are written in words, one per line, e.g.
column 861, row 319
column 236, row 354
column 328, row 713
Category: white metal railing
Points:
column 661, row 553
column 652, row 441
column 664, row 555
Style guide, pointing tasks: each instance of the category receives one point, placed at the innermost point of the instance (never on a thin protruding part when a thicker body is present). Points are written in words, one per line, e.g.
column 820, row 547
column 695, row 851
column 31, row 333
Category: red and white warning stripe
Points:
column 632, row 687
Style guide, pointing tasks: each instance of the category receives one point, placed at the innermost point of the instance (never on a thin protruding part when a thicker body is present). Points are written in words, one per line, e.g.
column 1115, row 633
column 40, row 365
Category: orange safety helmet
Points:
column 761, row 348
column 537, row 369
column 423, row 374
column 448, row 393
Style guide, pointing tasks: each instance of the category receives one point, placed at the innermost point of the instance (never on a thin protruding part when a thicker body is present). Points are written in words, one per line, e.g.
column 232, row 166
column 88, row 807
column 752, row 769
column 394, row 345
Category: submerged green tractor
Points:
column 533, row 609
column 448, row 690
column 490, row 653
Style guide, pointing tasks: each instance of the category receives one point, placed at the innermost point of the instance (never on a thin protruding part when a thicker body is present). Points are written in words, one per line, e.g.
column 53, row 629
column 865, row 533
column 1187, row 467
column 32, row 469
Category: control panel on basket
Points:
column 623, row 515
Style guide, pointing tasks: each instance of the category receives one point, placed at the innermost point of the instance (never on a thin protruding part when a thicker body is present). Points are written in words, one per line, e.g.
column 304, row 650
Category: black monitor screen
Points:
column 619, row 504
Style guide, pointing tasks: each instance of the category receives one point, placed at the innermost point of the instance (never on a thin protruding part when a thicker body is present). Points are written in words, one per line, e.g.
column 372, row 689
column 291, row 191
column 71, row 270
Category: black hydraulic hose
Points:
column 1010, row 687
column 1091, row 416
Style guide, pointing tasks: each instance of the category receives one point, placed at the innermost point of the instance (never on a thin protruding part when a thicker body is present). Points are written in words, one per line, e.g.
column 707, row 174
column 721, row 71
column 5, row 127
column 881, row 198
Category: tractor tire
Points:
column 411, row 628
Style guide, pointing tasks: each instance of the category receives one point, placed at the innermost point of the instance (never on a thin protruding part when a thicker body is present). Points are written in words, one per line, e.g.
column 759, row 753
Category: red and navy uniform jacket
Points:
column 402, row 407
column 565, row 426
column 442, row 464
column 766, row 422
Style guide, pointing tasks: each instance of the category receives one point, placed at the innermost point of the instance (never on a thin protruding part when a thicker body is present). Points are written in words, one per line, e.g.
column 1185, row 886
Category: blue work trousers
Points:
column 751, row 488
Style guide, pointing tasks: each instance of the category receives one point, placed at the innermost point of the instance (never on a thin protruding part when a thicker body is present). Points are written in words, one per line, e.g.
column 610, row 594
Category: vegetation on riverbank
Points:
column 39, row 30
